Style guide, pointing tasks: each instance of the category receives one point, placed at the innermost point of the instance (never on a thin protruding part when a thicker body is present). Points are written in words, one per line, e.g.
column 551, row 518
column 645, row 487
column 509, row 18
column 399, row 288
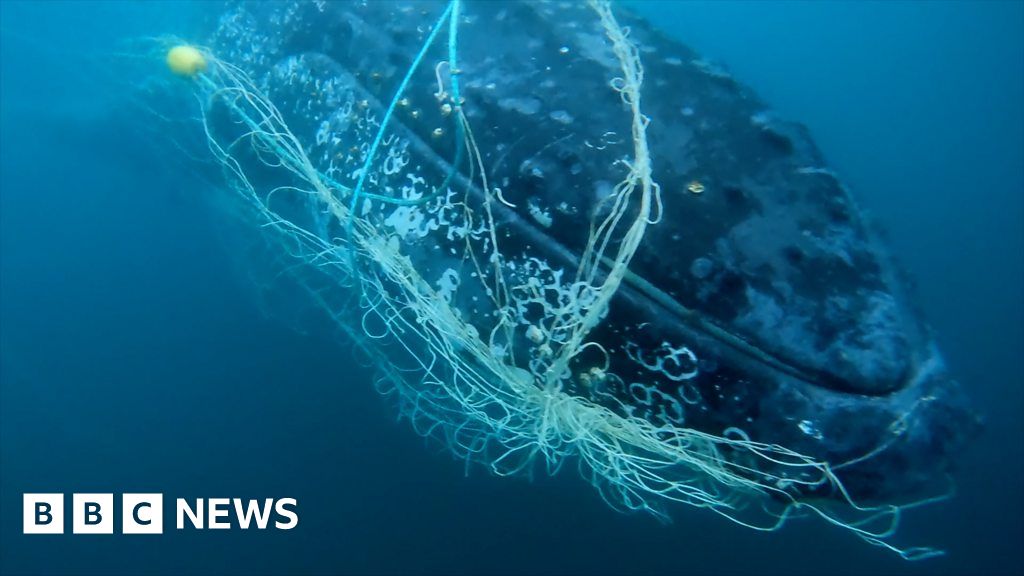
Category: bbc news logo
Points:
column 144, row 513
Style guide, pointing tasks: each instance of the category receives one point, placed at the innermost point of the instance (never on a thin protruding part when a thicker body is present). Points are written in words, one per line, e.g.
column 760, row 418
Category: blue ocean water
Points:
column 134, row 356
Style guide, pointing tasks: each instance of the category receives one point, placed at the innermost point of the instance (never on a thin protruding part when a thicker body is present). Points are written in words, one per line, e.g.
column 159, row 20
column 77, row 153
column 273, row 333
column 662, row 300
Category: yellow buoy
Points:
column 185, row 60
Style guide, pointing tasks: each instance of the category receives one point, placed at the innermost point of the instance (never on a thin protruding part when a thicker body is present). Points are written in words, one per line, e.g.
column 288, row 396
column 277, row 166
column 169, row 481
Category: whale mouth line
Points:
column 635, row 286
column 700, row 323
column 693, row 319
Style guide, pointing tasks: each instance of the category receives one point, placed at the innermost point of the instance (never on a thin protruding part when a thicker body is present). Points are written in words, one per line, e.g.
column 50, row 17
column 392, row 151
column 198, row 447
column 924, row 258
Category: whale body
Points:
column 762, row 300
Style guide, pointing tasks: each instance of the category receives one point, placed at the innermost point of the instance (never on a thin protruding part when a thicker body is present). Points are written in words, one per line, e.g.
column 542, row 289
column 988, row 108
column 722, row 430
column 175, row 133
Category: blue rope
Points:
column 358, row 193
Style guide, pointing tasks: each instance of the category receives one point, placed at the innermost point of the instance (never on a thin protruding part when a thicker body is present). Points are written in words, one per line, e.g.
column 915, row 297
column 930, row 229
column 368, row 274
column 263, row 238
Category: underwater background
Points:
column 135, row 355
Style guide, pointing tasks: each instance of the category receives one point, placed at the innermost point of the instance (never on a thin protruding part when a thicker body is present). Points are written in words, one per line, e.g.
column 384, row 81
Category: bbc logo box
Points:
column 43, row 513
column 93, row 513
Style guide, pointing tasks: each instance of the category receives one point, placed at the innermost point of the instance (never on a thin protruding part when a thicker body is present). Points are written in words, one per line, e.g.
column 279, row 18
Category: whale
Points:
column 762, row 301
